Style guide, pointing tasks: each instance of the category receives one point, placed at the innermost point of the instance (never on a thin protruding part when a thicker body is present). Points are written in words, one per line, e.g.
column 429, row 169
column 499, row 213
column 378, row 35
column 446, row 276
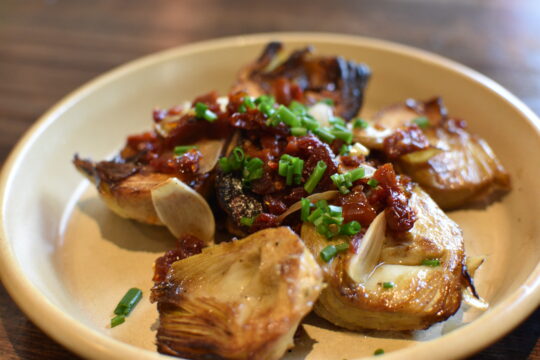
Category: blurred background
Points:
column 49, row 48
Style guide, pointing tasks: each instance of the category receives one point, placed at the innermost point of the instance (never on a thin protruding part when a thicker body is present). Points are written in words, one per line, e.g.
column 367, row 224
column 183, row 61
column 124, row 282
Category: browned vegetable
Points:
column 238, row 300
column 306, row 78
column 381, row 283
column 455, row 167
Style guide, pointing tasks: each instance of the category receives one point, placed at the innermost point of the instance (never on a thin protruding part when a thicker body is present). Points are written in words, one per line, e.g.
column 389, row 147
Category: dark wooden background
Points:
column 48, row 48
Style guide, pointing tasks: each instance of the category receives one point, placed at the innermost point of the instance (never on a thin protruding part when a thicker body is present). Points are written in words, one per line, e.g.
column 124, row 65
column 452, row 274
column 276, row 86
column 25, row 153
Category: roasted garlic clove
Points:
column 183, row 210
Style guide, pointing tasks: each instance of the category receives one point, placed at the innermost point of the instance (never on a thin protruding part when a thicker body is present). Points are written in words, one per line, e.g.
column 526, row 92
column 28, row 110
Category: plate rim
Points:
column 90, row 343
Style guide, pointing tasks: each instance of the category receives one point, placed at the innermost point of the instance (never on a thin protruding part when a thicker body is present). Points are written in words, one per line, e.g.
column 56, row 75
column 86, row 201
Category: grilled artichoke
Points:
column 452, row 165
column 238, row 300
column 306, row 78
column 397, row 291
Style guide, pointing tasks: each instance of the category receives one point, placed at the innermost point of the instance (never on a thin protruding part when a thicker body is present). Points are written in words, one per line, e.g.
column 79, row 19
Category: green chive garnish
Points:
column 328, row 101
column 286, row 116
column 291, row 168
column 117, row 320
column 315, row 177
column 431, row 262
column 344, row 181
column 422, row 122
column 309, row 122
column 247, row 221
column 242, row 108
column 298, row 131
column 378, row 352
column 248, row 103
column 373, row 182
column 128, row 302
column 359, row 123
column 345, row 150
column 342, row 247
column 344, row 135
column 297, row 108
column 181, row 150
column 388, row 285
column 324, row 135
column 351, row 228
column 202, row 111
column 253, row 170
column 328, row 253
column 306, row 207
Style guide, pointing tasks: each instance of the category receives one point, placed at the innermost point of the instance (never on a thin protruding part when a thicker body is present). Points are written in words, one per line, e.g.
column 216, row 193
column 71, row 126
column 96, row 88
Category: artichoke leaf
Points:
column 238, row 300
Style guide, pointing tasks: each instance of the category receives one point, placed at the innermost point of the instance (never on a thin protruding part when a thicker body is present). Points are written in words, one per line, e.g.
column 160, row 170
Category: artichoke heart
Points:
column 456, row 169
column 238, row 300
column 126, row 188
column 414, row 278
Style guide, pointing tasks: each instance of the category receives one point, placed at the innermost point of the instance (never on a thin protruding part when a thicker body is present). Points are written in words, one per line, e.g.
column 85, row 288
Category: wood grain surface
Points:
column 48, row 48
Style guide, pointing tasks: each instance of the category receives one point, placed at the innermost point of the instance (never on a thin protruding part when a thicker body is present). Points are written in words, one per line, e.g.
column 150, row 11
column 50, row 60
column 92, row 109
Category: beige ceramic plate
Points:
column 66, row 259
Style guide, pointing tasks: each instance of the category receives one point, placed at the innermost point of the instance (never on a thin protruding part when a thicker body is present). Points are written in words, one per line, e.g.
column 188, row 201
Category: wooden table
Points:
column 48, row 48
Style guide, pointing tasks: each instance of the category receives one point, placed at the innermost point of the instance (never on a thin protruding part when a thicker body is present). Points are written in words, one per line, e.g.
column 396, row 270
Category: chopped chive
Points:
column 351, row 228
column 286, row 116
column 373, row 182
column 265, row 99
column 359, row 123
column 253, row 170
column 342, row 247
column 337, row 121
column 248, row 103
column 388, row 285
column 291, row 168
column 431, row 262
column 345, row 150
column 128, row 302
column 202, row 111
column 346, row 135
column 181, row 150
column 378, row 352
column 266, row 109
column 247, row 221
column 328, row 253
column 315, row 177
column 306, row 207
column 315, row 215
column 422, row 122
column 238, row 154
column 309, row 122
column 224, row 165
column 328, row 101
column 340, row 180
column 298, row 131
column 297, row 108
column 323, row 205
column 344, row 181
column 357, row 173
column 117, row 320
column 324, row 135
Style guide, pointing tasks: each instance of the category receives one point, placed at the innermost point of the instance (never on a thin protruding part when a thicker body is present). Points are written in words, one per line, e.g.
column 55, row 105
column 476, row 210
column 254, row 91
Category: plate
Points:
column 67, row 260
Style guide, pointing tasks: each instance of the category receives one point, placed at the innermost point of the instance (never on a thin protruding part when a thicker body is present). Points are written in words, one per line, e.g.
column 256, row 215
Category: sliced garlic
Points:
column 362, row 264
column 183, row 210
